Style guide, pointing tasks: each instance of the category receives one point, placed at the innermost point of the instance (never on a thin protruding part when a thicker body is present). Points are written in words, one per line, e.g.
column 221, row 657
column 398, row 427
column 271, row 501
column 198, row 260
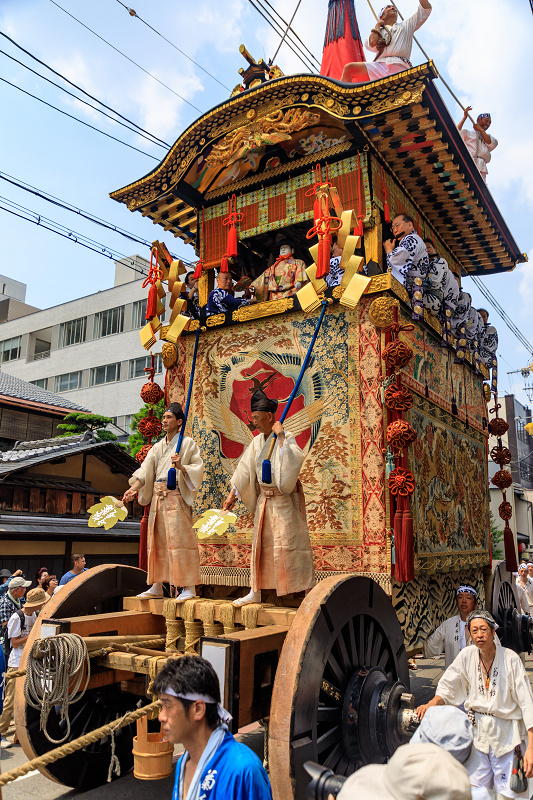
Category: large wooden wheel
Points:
column 102, row 586
column 340, row 686
column 504, row 592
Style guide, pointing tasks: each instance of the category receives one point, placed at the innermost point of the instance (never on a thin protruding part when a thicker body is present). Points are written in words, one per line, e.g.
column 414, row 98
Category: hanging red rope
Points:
column 155, row 274
column 230, row 222
column 324, row 224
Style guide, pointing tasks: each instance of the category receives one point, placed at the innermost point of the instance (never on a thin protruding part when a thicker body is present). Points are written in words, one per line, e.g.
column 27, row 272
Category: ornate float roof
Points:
column 402, row 120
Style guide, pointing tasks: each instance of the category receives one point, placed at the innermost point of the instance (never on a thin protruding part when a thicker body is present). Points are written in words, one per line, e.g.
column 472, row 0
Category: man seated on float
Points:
column 284, row 278
column 443, row 279
column 392, row 41
column 335, row 274
column 474, row 329
column 191, row 295
column 407, row 257
column 489, row 339
column 450, row 637
column 221, row 299
column 479, row 143
column 461, row 313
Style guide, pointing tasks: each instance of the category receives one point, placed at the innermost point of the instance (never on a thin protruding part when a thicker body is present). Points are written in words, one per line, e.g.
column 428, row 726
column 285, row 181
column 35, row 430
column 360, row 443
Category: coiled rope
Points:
column 57, row 666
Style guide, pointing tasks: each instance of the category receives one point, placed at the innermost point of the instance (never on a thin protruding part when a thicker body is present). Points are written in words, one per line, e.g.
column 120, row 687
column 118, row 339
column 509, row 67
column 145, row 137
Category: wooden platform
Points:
column 267, row 615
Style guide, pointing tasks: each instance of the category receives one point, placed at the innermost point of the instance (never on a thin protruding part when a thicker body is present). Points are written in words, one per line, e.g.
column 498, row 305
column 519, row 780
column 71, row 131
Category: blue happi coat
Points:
column 233, row 773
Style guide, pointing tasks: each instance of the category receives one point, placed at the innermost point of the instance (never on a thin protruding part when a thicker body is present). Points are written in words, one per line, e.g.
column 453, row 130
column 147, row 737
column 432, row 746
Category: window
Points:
column 138, row 316
column 10, row 349
column 68, row 381
column 42, row 383
column 109, row 322
column 137, row 366
column 109, row 373
column 72, row 332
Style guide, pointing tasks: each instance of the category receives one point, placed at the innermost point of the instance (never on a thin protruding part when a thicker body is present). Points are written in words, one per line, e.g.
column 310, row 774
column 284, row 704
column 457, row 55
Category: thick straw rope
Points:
column 249, row 615
column 78, row 744
column 227, row 616
column 175, row 627
column 54, row 677
column 193, row 628
column 205, row 610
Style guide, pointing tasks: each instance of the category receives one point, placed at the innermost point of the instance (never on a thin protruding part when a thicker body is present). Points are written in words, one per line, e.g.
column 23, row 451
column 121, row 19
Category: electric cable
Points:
column 85, row 214
column 501, row 312
column 287, row 30
column 125, row 56
column 109, row 136
column 79, row 88
column 273, row 24
column 80, row 100
column 133, row 13
column 289, row 26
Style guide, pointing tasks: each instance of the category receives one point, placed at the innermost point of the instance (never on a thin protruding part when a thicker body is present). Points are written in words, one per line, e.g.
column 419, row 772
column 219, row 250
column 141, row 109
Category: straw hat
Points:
column 37, row 597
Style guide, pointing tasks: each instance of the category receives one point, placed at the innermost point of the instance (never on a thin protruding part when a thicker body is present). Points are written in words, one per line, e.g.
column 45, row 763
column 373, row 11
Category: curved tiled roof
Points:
column 22, row 390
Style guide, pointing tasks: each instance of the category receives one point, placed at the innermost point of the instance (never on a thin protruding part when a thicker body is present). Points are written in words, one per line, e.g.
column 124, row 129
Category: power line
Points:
column 79, row 88
column 289, row 27
column 80, row 100
column 75, row 210
column 124, row 55
column 279, row 31
column 78, row 119
column 133, row 13
column 508, row 321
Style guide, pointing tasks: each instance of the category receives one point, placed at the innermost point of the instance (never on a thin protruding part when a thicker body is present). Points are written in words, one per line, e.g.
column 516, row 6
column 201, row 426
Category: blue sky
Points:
column 481, row 47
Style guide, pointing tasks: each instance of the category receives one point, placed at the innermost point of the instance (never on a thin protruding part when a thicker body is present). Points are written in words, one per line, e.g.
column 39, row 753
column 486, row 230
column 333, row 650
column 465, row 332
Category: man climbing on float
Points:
column 172, row 547
column 392, row 41
column 282, row 558
column 479, row 143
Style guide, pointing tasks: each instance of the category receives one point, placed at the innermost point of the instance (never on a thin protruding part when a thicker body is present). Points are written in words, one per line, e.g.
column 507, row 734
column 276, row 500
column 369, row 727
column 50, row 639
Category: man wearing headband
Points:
column 282, row 558
column 525, row 589
column 452, row 635
column 392, row 41
column 478, row 142
column 493, row 684
column 172, row 547
column 214, row 765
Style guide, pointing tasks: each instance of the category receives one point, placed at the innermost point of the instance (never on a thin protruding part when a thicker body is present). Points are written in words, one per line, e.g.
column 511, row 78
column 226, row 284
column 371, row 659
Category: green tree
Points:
column 137, row 440
column 77, row 422
column 496, row 534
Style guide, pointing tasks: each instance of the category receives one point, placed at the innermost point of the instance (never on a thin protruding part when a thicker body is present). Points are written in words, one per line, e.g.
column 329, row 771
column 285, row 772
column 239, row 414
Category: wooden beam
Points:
column 267, row 615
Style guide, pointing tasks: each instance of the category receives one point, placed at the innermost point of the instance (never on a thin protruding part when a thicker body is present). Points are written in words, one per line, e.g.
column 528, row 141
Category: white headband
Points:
column 467, row 589
column 224, row 715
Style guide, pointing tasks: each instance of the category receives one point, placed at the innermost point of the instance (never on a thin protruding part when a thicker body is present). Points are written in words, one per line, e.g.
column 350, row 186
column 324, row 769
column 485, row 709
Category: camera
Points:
column 323, row 782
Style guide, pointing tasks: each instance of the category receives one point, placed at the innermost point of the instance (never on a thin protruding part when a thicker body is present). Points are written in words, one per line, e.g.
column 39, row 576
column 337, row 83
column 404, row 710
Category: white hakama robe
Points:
column 396, row 56
column 282, row 558
column 479, row 149
column 409, row 263
column 504, row 714
column 461, row 315
column 434, row 294
column 173, row 555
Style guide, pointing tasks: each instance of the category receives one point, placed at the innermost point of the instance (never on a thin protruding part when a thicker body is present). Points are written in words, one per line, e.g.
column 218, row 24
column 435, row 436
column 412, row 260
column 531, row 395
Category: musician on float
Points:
column 221, row 299
column 392, row 41
column 284, row 278
column 282, row 558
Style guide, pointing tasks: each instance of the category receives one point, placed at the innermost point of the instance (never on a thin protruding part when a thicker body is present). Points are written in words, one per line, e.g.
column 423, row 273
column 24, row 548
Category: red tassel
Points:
column 197, row 274
column 511, row 561
column 233, row 216
column 404, row 542
column 151, row 305
column 231, row 247
column 324, row 252
column 386, row 211
column 224, row 264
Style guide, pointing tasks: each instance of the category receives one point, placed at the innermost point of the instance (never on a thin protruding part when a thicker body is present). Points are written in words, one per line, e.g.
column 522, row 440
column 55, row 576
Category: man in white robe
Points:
column 173, row 555
column 488, row 343
column 525, row 586
column 282, row 558
column 408, row 261
column 493, row 684
column 392, row 41
column 479, row 143
column 452, row 636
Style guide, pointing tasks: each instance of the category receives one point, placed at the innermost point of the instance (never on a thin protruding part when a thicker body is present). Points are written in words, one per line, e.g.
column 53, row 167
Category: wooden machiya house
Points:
column 46, row 487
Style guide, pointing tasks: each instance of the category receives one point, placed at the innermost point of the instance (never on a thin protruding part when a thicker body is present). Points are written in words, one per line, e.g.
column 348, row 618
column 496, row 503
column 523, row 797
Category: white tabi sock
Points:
column 251, row 597
column 155, row 590
column 186, row 593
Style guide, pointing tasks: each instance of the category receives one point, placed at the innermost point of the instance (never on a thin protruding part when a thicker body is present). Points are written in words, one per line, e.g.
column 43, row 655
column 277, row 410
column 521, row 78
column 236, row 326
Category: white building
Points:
column 88, row 349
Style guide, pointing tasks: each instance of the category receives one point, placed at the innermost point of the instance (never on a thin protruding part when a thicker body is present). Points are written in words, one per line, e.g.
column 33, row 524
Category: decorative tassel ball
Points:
column 401, row 482
column 498, row 426
column 398, row 399
column 400, row 434
column 396, row 355
column 502, row 479
column 169, row 354
column 505, row 510
column 501, row 455
column 143, row 452
column 150, row 426
column 151, row 393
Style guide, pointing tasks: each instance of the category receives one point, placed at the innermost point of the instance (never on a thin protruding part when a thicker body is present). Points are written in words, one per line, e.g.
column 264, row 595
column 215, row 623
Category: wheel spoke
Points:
column 341, row 679
column 344, row 658
column 328, row 739
column 334, row 758
column 376, row 649
column 353, row 646
column 329, row 714
column 369, row 641
column 361, row 641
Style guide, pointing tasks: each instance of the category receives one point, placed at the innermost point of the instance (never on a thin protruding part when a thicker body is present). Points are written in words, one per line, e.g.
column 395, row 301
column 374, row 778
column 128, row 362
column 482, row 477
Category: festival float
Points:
column 393, row 412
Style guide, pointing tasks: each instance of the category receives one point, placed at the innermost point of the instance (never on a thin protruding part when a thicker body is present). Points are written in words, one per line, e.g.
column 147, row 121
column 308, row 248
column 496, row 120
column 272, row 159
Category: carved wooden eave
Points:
column 405, row 124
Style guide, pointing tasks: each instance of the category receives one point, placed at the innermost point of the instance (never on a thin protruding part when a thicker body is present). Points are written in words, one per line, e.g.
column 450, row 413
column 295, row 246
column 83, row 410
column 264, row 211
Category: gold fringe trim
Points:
column 249, row 615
